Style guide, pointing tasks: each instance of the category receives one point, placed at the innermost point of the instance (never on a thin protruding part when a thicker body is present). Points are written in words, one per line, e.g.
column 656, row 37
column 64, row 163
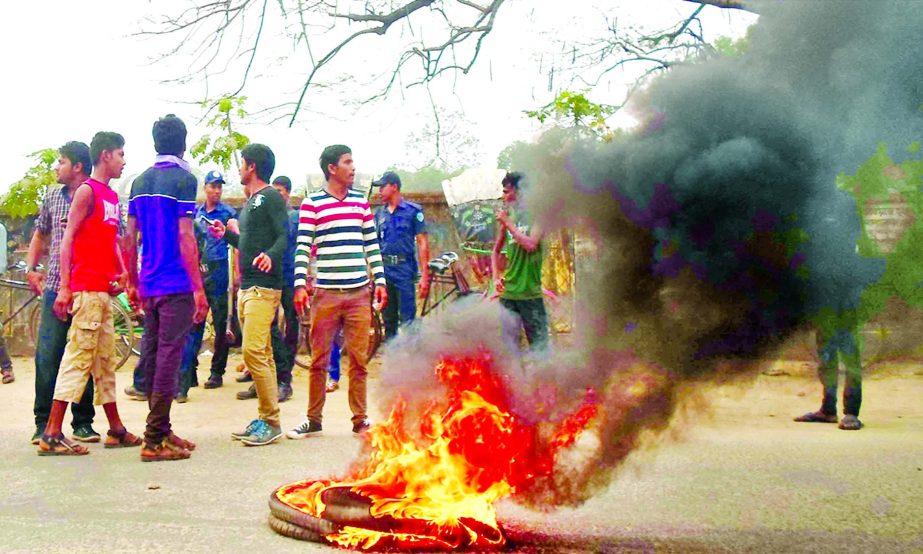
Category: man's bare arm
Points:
column 36, row 249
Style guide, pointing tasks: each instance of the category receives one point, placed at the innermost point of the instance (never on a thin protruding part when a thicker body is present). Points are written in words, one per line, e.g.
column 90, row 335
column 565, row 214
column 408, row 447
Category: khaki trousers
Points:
column 329, row 310
column 257, row 308
column 90, row 350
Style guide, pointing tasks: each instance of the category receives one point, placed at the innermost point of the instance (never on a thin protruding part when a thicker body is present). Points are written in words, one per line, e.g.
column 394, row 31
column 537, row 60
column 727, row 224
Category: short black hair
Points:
column 284, row 181
column 261, row 156
column 105, row 141
column 169, row 135
column 513, row 179
column 78, row 153
column 332, row 155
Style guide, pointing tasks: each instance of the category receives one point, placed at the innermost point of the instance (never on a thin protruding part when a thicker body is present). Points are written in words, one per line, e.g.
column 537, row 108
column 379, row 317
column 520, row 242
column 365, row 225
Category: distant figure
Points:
column 520, row 287
column 838, row 274
column 401, row 231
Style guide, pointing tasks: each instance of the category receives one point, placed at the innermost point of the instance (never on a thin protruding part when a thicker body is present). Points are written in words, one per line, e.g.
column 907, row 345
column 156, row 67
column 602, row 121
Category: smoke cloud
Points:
column 717, row 229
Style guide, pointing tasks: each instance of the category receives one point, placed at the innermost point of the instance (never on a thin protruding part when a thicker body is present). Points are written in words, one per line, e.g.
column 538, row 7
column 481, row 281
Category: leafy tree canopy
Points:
column 25, row 195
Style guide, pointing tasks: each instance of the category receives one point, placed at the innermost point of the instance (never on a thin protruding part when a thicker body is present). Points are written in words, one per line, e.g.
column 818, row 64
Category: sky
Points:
column 75, row 68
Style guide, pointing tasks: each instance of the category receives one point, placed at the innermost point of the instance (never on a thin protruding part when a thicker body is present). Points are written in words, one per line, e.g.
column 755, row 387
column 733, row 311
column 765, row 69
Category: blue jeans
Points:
column 402, row 304
column 52, row 336
column 834, row 344
column 334, row 370
column 533, row 318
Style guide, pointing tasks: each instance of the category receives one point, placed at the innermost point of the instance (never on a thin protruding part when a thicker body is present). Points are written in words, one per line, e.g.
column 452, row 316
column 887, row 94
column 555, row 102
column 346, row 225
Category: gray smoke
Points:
column 717, row 228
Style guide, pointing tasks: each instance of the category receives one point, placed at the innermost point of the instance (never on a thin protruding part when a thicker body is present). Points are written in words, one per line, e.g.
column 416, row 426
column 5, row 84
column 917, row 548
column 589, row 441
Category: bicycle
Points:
column 303, row 352
column 445, row 270
column 13, row 285
column 122, row 320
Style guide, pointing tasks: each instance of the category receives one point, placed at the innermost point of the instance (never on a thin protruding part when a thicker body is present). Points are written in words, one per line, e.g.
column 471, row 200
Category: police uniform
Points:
column 397, row 234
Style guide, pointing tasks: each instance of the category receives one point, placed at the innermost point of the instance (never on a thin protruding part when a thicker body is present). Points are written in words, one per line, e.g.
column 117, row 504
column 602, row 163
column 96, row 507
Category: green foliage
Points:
column 25, row 195
column 506, row 156
column 223, row 147
column 574, row 109
column 728, row 47
column 889, row 194
column 425, row 179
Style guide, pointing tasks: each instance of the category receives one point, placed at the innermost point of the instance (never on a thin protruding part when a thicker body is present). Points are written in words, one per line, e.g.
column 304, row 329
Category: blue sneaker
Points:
column 262, row 434
column 246, row 432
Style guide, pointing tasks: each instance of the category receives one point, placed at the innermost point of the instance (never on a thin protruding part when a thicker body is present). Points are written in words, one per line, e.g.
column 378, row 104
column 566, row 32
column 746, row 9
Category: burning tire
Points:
column 299, row 522
column 293, row 531
column 344, row 508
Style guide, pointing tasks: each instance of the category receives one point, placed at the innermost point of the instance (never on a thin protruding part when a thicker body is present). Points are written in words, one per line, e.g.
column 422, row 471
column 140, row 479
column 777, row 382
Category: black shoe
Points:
column 361, row 427
column 181, row 398
column 244, row 377
column 305, row 429
column 85, row 433
column 214, row 382
column 285, row 392
column 247, row 394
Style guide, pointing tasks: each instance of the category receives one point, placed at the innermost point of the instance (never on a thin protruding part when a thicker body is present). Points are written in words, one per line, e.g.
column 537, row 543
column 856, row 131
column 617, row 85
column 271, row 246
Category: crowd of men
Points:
column 174, row 259
column 320, row 261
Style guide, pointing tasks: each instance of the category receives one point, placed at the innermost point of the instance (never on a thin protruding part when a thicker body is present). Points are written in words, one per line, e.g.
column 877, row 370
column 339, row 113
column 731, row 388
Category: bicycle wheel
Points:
column 124, row 333
column 35, row 321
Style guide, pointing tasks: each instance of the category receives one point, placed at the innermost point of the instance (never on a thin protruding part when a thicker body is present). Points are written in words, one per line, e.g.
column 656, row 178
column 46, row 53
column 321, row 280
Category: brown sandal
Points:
column 60, row 446
column 121, row 439
column 163, row 452
column 8, row 376
column 178, row 442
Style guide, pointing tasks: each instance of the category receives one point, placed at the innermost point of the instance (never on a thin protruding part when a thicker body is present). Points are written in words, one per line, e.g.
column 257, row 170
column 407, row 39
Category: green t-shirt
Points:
column 523, row 277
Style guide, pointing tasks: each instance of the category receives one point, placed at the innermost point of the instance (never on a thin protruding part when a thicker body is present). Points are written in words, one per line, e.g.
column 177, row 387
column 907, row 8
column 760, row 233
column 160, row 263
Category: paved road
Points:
column 738, row 477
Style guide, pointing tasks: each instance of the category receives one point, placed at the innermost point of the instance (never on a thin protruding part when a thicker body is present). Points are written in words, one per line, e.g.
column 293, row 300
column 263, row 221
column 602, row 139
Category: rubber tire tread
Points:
column 300, row 519
column 293, row 531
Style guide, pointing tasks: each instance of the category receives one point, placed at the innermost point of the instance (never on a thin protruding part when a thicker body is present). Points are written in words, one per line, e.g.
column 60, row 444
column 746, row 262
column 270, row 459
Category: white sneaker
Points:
column 306, row 429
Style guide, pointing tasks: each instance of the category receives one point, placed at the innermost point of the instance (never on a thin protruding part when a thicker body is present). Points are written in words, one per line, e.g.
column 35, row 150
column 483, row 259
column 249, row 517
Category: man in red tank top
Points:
column 90, row 263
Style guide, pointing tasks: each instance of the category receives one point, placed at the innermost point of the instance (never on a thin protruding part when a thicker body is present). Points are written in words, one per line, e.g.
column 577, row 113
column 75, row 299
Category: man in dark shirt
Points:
column 160, row 208
column 262, row 242
column 401, row 232
column 214, row 263
column 284, row 347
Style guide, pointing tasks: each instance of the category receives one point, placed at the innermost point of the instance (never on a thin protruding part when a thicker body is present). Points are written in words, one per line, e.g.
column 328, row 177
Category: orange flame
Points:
column 437, row 489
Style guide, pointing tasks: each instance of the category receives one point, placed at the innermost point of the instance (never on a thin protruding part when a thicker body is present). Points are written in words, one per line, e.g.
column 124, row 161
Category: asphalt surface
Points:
column 738, row 476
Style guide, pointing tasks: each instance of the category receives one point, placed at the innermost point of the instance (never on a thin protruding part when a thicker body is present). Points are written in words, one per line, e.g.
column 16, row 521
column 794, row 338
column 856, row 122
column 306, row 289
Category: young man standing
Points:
column 73, row 169
column 262, row 240
column 90, row 263
column 400, row 224
column 338, row 220
column 520, row 287
column 284, row 347
column 170, row 288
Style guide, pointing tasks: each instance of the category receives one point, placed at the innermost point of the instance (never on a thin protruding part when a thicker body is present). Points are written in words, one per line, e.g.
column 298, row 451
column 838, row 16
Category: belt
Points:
column 339, row 290
column 393, row 259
